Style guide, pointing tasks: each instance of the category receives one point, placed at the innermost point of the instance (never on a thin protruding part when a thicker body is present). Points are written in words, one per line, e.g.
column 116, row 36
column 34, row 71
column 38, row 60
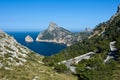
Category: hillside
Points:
column 19, row 63
column 98, row 41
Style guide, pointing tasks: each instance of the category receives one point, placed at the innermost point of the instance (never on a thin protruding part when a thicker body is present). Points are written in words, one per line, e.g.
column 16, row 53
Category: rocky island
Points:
column 29, row 39
column 56, row 34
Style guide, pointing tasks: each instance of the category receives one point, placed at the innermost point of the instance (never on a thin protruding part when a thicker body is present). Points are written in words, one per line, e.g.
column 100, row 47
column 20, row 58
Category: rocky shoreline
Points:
column 60, row 42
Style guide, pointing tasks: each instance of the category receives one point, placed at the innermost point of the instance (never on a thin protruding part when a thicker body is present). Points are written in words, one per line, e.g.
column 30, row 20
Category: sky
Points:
column 35, row 15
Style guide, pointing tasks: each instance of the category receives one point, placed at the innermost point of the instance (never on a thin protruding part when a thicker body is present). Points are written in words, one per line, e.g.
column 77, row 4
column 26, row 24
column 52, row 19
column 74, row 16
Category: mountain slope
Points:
column 19, row 63
column 57, row 34
column 94, row 69
column 101, row 36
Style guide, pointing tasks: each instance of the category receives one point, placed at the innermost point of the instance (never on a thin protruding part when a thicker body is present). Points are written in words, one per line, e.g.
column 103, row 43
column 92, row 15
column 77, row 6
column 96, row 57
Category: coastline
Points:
column 54, row 41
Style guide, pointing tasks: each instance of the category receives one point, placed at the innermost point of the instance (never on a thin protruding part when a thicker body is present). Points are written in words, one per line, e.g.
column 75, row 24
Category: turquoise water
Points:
column 43, row 48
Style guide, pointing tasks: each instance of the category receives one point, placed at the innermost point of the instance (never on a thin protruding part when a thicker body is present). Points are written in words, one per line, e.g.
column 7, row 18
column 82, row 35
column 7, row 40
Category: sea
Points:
column 43, row 48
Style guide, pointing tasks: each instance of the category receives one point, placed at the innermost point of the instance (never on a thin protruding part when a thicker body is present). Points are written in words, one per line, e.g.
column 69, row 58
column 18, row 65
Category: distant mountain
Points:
column 89, row 30
column 84, row 34
column 20, row 63
column 57, row 34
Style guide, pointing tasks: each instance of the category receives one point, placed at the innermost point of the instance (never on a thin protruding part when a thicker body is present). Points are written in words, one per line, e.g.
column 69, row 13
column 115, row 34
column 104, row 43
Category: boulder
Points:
column 29, row 39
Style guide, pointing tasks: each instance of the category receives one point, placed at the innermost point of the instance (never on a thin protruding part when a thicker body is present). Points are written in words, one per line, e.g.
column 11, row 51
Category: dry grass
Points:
column 33, row 70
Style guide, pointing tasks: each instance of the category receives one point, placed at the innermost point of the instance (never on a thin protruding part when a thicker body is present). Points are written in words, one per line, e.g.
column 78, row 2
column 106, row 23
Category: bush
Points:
column 62, row 68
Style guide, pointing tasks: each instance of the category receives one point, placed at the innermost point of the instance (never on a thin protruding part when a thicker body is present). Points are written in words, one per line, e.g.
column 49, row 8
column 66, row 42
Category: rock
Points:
column 1, row 31
column 29, row 39
column 11, row 52
column 113, row 46
column 56, row 34
column 89, row 30
column 118, row 10
column 117, row 13
column 52, row 26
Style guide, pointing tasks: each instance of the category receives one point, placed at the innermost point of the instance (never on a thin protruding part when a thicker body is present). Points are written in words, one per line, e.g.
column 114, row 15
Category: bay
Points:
column 43, row 48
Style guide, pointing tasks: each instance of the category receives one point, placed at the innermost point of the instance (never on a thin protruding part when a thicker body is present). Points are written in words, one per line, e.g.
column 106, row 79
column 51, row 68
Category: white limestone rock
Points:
column 52, row 26
column 11, row 52
column 1, row 65
column 29, row 39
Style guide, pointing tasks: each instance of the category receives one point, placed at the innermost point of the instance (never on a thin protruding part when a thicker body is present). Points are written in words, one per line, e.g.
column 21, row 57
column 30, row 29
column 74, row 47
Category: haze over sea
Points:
column 43, row 48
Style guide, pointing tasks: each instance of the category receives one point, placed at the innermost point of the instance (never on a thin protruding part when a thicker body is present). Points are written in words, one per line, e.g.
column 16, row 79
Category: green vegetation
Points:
column 47, row 35
column 84, row 34
column 94, row 69
column 61, row 68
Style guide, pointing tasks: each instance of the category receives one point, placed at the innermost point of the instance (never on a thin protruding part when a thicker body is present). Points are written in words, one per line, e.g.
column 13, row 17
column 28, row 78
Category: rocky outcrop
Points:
column 11, row 52
column 88, row 30
column 118, row 10
column 29, row 39
column 56, row 34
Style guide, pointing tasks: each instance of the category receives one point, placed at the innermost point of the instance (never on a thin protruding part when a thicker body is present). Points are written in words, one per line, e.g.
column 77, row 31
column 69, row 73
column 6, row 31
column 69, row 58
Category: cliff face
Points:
column 57, row 34
column 20, row 63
